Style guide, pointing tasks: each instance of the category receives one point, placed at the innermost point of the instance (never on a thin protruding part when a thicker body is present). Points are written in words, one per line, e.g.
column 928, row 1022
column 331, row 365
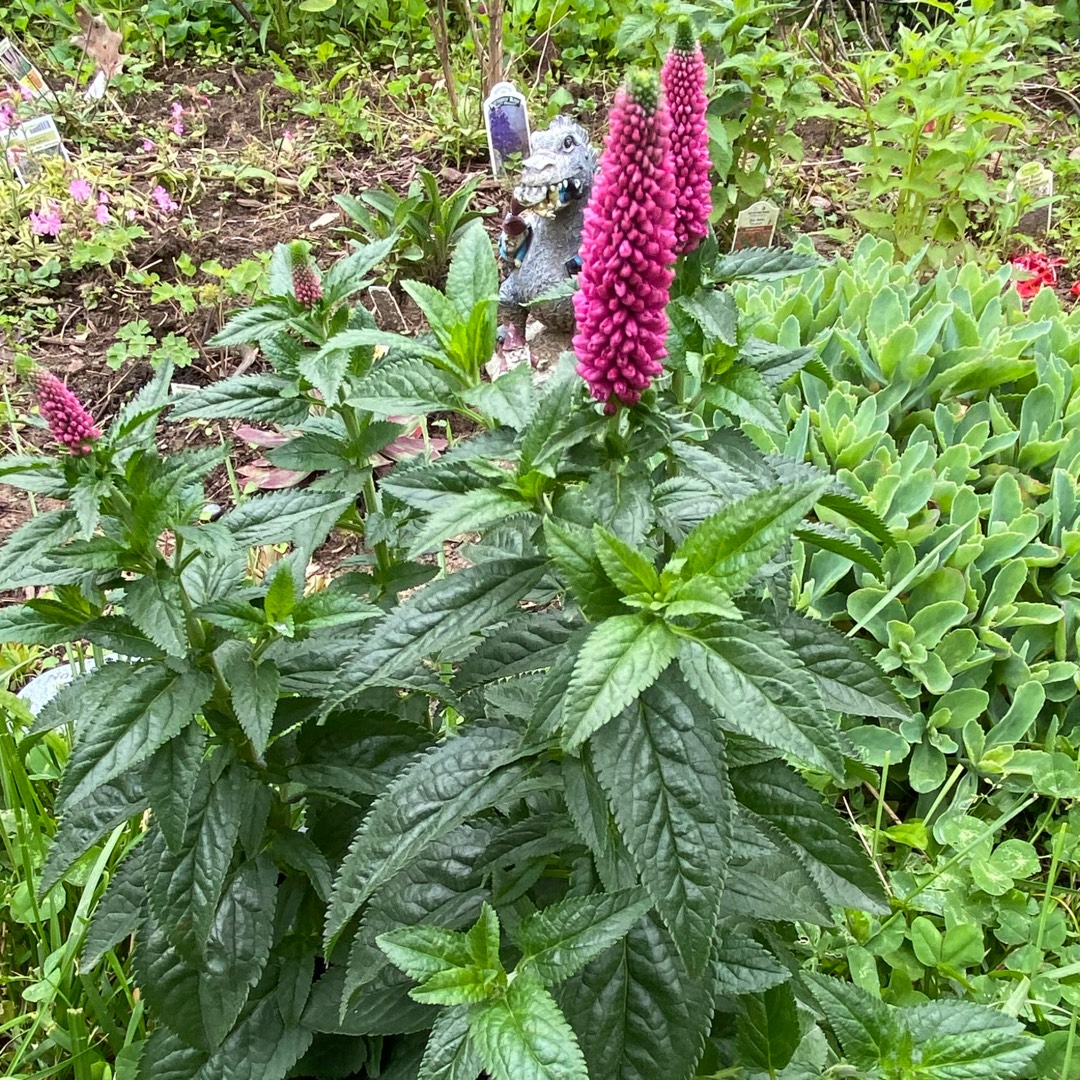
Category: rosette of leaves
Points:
column 535, row 819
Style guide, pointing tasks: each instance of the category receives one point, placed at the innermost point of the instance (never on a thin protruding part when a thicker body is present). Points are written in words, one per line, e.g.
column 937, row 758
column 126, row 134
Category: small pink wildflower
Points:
column 26, row 93
column 148, row 146
column 164, row 200
column 80, row 190
column 48, row 222
column 7, row 115
column 103, row 197
column 66, row 416
column 177, row 112
column 101, row 214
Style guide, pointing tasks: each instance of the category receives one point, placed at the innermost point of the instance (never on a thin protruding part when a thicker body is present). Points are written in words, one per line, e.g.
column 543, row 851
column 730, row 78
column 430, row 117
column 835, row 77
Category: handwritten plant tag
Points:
column 25, row 146
column 756, row 226
column 1035, row 181
column 19, row 66
column 388, row 316
column 506, row 117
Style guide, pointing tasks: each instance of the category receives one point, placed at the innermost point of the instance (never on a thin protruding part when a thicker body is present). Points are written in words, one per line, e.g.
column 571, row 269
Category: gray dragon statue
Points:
column 542, row 233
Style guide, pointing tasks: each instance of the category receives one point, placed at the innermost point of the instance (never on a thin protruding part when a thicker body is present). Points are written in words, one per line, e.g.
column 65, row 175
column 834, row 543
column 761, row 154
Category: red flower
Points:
column 1042, row 268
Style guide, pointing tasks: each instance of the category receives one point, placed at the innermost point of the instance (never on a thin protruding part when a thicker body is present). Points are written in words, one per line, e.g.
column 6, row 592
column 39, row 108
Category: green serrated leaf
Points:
column 24, row 559
column 631, row 571
column 761, row 264
column 253, row 323
column 560, row 940
column 744, row 394
column 473, row 275
column 511, row 399
column 446, row 610
column 573, row 550
column 664, row 773
column 847, row 677
column 767, row 1027
column 623, row 656
column 824, row 841
column 733, row 545
column 265, row 398
column 460, row 777
column 404, row 387
column 123, row 716
column 474, row 511
column 84, row 823
column 286, row 515
column 153, row 604
column 868, row 1030
column 523, row 1036
column 758, row 687
column 185, row 886
column 636, row 1011
column 450, row 1053
column 169, row 778
column 958, row 1040
column 119, row 913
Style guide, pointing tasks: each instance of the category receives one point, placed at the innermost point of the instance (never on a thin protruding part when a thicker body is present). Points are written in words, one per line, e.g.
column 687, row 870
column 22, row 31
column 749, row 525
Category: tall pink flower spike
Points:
column 627, row 250
column 683, row 80
column 69, row 422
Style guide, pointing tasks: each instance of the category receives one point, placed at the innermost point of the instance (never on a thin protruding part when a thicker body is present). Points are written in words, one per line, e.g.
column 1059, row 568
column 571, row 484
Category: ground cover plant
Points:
column 598, row 791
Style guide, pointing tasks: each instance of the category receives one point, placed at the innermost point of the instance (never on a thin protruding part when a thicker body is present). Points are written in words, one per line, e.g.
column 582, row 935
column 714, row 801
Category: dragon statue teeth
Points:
column 542, row 233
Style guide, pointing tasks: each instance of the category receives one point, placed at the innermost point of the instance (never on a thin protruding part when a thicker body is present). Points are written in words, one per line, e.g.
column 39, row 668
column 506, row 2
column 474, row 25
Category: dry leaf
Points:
column 100, row 43
column 325, row 219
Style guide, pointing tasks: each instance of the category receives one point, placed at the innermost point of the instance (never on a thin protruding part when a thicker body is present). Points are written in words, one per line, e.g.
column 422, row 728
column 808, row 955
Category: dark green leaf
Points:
column 265, row 398
column 32, row 472
column 526, row 644
column 444, row 611
column 461, row 776
column 286, row 515
column 825, row 842
column 120, row 912
column 259, row 1048
column 560, row 940
column 761, row 264
column 848, row 678
column 590, row 810
column 715, row 312
column 734, row 544
column 450, row 1053
column 169, row 778
column 153, row 604
column 510, row 400
column 84, row 823
column 636, row 1011
column 742, row 966
column 573, row 550
column 859, row 514
column 254, row 686
column 631, row 571
column 767, row 1028
column 830, row 539
column 958, row 1040
column 404, row 387
column 867, row 1028
column 523, row 1036
column 664, row 773
column 24, row 559
column 474, row 511
column 186, row 885
column 759, row 687
column 122, row 720
column 253, row 323
column 623, row 656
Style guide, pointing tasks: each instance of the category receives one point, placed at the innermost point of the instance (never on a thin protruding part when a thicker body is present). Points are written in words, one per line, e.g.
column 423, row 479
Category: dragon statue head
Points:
column 559, row 169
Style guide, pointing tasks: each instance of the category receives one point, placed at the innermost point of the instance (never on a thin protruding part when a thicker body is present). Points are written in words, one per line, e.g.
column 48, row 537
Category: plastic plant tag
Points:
column 24, row 146
column 756, row 226
column 16, row 63
column 388, row 314
column 1034, row 183
column 506, row 118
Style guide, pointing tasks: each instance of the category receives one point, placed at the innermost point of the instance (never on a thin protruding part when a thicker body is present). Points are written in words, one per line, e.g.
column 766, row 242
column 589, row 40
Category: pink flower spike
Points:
column 627, row 250
column 71, row 425
column 164, row 200
column 80, row 190
column 683, row 79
